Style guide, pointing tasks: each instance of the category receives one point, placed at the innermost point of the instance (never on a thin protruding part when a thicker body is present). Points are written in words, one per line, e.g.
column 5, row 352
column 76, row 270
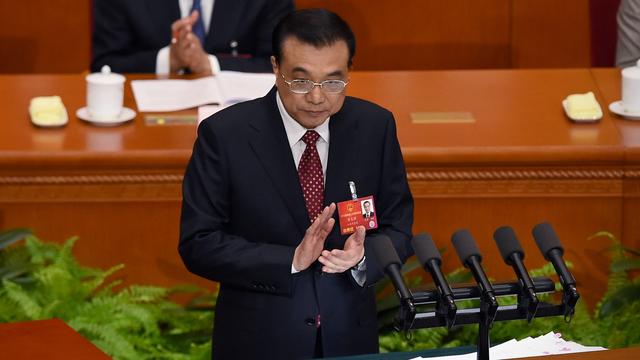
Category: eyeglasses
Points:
column 300, row 86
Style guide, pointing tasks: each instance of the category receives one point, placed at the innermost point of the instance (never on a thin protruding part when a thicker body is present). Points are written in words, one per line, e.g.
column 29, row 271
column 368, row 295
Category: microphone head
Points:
column 383, row 250
column 546, row 239
column 465, row 245
column 507, row 243
column 425, row 249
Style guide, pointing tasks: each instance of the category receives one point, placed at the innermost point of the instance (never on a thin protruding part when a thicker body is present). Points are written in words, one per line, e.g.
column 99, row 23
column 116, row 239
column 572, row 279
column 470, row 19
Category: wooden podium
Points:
column 483, row 148
column 45, row 339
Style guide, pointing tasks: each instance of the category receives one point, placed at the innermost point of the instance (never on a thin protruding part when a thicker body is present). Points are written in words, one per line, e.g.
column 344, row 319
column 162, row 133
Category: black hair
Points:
column 317, row 27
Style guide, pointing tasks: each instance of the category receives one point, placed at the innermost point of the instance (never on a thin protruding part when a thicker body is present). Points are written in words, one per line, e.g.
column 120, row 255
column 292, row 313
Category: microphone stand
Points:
column 489, row 310
column 407, row 313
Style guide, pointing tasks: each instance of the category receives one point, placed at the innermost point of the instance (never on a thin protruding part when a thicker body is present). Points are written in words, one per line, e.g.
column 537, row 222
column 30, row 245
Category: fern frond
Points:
column 144, row 317
column 545, row 271
column 90, row 284
column 143, row 294
column 22, row 300
column 65, row 257
column 115, row 344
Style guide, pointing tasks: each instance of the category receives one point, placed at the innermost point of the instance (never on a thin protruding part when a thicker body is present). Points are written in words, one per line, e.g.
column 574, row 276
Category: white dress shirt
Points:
column 295, row 132
column 163, row 66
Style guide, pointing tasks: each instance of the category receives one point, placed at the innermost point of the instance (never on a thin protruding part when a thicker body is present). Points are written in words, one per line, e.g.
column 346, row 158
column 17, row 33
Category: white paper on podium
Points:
column 226, row 88
column 548, row 344
column 236, row 86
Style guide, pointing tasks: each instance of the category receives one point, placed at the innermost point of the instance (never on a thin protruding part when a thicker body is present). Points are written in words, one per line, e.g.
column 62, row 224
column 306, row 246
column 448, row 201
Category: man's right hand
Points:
column 312, row 244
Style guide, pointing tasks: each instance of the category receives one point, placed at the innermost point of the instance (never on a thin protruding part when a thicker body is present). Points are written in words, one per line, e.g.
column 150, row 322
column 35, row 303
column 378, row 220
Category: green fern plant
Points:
column 43, row 280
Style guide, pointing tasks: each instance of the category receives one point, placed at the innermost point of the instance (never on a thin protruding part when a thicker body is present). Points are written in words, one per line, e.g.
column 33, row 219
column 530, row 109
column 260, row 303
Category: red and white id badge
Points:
column 359, row 211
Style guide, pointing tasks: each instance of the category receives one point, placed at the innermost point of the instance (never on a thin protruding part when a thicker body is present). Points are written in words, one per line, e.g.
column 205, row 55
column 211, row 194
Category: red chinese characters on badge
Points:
column 360, row 211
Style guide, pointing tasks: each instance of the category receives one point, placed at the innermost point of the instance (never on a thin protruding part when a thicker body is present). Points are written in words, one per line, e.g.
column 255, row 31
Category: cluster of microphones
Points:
column 467, row 250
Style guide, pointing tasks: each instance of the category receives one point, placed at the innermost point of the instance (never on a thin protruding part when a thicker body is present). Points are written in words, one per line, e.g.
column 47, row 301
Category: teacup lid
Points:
column 632, row 72
column 105, row 76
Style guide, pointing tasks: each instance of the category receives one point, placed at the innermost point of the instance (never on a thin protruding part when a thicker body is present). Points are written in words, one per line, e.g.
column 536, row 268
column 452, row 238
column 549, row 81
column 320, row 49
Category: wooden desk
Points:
column 117, row 188
column 519, row 163
column 45, row 339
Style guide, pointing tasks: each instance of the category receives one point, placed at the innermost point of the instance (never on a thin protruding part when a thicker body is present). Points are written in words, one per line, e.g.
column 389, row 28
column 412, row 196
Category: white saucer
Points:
column 125, row 115
column 617, row 108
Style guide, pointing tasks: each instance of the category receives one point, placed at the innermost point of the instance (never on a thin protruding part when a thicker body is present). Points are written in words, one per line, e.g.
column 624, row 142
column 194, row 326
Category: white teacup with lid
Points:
column 105, row 93
column 631, row 88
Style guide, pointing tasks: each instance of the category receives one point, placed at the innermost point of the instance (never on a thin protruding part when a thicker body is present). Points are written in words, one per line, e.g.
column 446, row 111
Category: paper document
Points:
column 548, row 344
column 226, row 88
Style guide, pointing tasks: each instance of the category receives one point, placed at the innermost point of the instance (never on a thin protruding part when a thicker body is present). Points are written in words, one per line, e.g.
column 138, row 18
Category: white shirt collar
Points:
column 294, row 130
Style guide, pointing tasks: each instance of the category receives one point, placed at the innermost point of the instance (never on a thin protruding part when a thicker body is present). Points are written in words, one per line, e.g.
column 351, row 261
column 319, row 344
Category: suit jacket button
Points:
column 310, row 321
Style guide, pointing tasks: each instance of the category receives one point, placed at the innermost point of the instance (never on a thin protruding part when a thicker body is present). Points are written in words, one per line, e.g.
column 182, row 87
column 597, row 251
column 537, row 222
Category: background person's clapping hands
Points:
column 185, row 51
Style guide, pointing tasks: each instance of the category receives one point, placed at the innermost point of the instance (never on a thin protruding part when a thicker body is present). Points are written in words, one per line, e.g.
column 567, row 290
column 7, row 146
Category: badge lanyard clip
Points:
column 352, row 189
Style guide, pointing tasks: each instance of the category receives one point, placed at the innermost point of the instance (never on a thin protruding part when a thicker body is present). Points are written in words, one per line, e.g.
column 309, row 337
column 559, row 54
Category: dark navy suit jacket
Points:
column 243, row 215
column 127, row 34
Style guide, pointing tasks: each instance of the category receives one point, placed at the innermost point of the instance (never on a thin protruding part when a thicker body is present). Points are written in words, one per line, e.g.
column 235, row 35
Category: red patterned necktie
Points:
column 310, row 174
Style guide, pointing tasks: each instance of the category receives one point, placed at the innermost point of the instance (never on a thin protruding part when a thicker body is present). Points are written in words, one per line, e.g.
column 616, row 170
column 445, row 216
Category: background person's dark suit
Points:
column 243, row 215
column 127, row 34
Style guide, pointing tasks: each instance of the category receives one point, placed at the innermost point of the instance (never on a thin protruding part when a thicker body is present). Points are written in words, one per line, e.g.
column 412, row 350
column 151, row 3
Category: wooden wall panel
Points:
column 43, row 36
column 631, row 221
column 54, row 36
column 425, row 34
column 550, row 33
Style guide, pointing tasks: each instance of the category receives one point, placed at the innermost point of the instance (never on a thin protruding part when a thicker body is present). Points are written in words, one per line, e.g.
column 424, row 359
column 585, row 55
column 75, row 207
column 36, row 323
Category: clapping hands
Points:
column 185, row 51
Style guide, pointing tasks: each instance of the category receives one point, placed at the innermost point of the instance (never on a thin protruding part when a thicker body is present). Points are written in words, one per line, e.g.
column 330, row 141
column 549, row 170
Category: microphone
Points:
column 388, row 259
column 430, row 259
column 513, row 255
column 552, row 250
column 471, row 258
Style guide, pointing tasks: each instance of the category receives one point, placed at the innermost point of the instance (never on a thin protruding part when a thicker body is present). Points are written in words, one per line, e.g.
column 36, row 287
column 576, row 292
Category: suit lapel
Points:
column 162, row 14
column 342, row 157
column 341, row 167
column 269, row 142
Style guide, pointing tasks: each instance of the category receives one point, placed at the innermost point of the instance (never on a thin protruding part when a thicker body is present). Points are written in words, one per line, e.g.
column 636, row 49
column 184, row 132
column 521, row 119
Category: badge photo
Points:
column 357, row 212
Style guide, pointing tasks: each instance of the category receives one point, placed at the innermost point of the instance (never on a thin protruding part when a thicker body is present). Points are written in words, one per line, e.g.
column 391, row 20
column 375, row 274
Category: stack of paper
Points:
column 549, row 344
column 226, row 88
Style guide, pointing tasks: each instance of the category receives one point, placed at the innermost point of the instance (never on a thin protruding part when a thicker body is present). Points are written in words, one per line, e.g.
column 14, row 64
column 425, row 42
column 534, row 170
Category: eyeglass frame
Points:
column 320, row 84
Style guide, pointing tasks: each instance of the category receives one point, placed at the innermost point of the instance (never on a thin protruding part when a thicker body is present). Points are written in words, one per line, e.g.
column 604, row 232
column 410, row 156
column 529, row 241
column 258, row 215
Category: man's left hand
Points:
column 338, row 261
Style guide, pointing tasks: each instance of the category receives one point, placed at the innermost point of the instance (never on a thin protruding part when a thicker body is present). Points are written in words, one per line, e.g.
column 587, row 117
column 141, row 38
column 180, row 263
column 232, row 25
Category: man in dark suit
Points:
column 259, row 200
column 136, row 35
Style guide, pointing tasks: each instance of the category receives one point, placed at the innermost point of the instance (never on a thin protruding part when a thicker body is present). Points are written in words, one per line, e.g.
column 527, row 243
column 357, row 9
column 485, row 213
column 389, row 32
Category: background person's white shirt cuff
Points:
column 163, row 66
column 215, row 64
column 162, row 61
